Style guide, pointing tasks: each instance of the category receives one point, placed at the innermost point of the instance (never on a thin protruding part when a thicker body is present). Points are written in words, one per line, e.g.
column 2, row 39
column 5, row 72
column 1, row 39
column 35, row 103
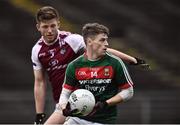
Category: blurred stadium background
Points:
column 145, row 28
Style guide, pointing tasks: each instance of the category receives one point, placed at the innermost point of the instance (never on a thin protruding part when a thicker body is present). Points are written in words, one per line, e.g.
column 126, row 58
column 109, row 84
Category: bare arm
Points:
column 129, row 59
column 124, row 95
column 123, row 56
column 57, row 116
column 39, row 90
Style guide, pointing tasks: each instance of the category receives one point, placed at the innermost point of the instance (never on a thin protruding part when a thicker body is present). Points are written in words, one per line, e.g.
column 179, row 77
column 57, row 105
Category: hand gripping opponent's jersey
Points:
column 55, row 58
column 103, row 78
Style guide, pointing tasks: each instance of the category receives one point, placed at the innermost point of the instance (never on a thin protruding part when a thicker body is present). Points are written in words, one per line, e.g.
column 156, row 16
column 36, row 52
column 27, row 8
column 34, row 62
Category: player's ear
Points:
column 38, row 27
column 58, row 24
column 88, row 40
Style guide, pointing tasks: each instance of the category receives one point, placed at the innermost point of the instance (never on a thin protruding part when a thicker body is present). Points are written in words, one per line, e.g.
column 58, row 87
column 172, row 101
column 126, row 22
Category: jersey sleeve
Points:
column 122, row 75
column 76, row 42
column 70, row 80
column 34, row 58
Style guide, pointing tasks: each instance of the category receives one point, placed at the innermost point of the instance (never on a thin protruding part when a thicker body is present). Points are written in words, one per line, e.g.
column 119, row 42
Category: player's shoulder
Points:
column 63, row 34
column 37, row 45
column 75, row 41
column 113, row 58
column 74, row 38
column 68, row 35
column 78, row 60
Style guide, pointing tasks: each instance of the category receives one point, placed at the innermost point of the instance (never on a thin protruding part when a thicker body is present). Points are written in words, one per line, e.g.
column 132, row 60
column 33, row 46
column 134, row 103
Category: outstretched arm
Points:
column 123, row 56
column 129, row 59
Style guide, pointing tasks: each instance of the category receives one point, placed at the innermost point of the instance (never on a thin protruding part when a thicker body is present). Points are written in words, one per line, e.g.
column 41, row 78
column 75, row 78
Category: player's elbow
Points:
column 126, row 94
column 131, row 93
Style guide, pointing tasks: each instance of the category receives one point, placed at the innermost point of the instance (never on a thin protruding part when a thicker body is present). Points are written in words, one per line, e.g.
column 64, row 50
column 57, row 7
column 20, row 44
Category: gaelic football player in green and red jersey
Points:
column 101, row 73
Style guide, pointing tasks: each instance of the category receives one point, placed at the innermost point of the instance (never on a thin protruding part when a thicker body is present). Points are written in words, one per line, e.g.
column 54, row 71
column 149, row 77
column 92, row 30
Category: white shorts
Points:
column 76, row 120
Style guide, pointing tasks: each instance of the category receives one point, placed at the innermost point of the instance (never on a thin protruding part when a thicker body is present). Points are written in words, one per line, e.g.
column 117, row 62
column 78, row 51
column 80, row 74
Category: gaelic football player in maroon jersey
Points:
column 52, row 53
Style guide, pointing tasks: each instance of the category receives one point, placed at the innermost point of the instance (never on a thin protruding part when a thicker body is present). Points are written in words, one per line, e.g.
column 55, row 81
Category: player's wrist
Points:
column 102, row 105
column 142, row 63
column 66, row 110
column 40, row 115
column 138, row 61
column 105, row 104
column 63, row 106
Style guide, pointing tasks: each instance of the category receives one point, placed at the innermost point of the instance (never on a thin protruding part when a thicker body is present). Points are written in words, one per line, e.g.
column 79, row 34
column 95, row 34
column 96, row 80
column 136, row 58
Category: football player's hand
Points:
column 39, row 118
column 142, row 63
column 68, row 112
column 99, row 106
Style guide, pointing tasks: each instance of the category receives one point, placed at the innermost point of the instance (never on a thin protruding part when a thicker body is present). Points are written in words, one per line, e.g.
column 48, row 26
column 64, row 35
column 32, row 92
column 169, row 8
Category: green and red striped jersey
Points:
column 104, row 78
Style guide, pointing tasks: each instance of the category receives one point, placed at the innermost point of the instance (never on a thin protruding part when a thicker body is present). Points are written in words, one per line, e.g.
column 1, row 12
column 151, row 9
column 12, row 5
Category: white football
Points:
column 82, row 100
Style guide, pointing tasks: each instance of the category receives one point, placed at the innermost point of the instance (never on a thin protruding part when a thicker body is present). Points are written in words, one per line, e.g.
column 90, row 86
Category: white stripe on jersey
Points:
column 128, row 78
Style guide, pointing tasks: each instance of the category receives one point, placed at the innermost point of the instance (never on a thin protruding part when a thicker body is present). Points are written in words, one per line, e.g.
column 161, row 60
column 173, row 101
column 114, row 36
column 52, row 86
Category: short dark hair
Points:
column 92, row 29
column 46, row 13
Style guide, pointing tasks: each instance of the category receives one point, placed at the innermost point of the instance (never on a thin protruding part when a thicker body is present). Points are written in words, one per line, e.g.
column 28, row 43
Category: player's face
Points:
column 99, row 44
column 49, row 30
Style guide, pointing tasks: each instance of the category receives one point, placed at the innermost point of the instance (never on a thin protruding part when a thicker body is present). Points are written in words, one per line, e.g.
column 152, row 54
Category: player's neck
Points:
column 50, row 42
column 92, row 56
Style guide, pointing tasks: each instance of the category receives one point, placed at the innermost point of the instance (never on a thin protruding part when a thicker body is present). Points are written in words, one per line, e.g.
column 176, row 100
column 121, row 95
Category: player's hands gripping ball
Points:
column 80, row 103
column 98, row 107
column 68, row 112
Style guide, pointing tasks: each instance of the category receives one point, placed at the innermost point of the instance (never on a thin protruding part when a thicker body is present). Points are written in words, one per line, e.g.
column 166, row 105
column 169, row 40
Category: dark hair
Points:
column 93, row 29
column 46, row 13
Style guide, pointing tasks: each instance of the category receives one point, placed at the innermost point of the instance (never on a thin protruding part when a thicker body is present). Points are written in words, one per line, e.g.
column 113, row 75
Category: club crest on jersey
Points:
column 106, row 72
column 63, row 51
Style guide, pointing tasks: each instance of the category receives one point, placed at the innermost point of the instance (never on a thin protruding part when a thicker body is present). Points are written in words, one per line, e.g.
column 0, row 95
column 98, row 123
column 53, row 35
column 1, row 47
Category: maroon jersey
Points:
column 55, row 57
